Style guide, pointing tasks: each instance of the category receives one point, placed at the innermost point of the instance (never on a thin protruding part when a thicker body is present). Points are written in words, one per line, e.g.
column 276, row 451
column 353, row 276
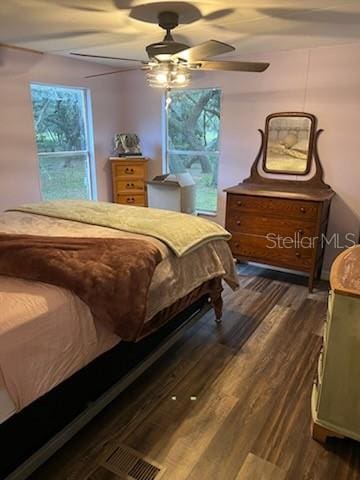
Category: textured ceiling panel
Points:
column 112, row 27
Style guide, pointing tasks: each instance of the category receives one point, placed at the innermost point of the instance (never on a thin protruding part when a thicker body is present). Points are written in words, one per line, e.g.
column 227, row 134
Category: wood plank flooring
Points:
column 226, row 403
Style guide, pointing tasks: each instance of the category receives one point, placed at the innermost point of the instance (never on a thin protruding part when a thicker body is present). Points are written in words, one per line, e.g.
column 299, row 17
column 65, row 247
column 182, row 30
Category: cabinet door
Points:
column 339, row 402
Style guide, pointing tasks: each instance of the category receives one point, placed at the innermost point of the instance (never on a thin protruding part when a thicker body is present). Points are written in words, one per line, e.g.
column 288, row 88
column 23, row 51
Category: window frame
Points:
column 88, row 131
column 166, row 151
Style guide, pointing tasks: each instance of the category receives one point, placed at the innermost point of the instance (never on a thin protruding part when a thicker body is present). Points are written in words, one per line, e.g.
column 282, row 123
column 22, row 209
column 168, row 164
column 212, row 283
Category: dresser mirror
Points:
column 288, row 145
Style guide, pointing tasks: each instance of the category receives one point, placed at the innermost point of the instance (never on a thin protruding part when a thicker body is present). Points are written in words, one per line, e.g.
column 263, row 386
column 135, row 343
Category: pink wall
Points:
column 324, row 81
column 19, row 173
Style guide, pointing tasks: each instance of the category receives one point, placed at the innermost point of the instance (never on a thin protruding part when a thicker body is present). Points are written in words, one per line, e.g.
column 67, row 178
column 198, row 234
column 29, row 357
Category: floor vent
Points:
column 129, row 464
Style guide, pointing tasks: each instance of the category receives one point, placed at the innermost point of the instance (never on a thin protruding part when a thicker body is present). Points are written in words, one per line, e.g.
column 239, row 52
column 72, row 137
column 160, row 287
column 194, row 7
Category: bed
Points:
column 51, row 345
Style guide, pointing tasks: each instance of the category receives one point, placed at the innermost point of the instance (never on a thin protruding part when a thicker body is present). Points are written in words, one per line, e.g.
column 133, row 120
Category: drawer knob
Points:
column 239, row 202
column 298, row 254
column 130, row 200
column 130, row 185
column 129, row 170
column 237, row 244
column 301, row 232
column 238, row 222
column 302, row 209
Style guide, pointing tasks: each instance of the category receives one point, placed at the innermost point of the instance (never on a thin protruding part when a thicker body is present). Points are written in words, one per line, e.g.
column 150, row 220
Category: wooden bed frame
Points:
column 32, row 436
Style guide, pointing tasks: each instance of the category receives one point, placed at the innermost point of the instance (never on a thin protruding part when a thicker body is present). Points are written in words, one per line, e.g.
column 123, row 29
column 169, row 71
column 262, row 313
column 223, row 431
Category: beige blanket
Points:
column 181, row 232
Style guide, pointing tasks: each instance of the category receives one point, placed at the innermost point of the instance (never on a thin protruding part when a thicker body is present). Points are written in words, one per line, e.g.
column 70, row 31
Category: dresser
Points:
column 336, row 391
column 279, row 214
column 129, row 175
column 279, row 225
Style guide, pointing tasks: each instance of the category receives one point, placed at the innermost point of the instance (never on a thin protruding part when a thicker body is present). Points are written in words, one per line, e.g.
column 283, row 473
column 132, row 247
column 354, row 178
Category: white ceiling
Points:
column 106, row 27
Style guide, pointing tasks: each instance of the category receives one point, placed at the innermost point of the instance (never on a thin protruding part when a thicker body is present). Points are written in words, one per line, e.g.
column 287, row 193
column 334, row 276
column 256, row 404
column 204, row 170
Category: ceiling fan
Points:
column 170, row 63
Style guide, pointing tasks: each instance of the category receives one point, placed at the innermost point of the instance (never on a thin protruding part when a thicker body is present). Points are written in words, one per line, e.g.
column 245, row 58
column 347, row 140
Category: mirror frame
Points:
column 312, row 119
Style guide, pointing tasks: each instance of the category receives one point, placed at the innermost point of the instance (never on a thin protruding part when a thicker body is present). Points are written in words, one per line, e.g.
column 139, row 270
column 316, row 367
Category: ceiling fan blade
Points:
column 204, row 50
column 107, row 58
column 232, row 66
column 310, row 15
column 94, row 5
column 219, row 14
column 23, row 49
column 55, row 36
column 113, row 72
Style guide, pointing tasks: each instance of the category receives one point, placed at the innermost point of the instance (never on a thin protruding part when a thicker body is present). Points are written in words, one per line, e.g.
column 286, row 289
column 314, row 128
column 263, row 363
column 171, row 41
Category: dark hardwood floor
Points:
column 226, row 403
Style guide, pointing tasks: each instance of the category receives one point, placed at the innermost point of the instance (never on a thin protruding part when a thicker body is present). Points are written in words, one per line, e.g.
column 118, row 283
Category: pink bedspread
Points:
column 54, row 333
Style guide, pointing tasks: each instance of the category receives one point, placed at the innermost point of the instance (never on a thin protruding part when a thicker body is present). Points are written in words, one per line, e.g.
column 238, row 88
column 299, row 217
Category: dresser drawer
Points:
column 129, row 170
column 130, row 199
column 130, row 185
column 282, row 207
column 261, row 225
column 261, row 249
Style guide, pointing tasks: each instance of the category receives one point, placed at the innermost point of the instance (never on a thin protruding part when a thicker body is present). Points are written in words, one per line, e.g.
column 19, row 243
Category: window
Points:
column 192, row 143
column 62, row 137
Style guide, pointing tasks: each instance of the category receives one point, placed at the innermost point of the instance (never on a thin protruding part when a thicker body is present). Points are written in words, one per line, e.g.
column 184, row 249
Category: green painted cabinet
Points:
column 336, row 390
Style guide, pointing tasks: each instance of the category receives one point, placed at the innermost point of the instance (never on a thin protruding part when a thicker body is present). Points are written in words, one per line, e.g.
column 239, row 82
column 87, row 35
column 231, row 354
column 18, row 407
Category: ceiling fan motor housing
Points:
column 167, row 21
column 165, row 48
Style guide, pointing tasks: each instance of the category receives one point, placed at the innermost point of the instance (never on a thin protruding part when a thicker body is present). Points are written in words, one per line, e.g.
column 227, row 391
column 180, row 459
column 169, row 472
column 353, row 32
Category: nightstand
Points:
column 128, row 177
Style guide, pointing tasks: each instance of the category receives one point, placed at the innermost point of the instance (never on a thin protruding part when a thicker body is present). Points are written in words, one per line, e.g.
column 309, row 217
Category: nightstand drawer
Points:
column 138, row 200
column 129, row 170
column 305, row 210
column 130, row 185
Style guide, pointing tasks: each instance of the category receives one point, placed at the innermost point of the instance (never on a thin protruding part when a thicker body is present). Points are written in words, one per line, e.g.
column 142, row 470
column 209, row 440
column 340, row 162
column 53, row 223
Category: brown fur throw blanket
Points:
column 111, row 275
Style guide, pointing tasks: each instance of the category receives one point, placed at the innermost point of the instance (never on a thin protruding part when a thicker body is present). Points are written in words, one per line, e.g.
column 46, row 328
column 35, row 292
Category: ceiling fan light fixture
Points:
column 180, row 79
column 161, row 77
column 168, row 76
column 163, row 57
